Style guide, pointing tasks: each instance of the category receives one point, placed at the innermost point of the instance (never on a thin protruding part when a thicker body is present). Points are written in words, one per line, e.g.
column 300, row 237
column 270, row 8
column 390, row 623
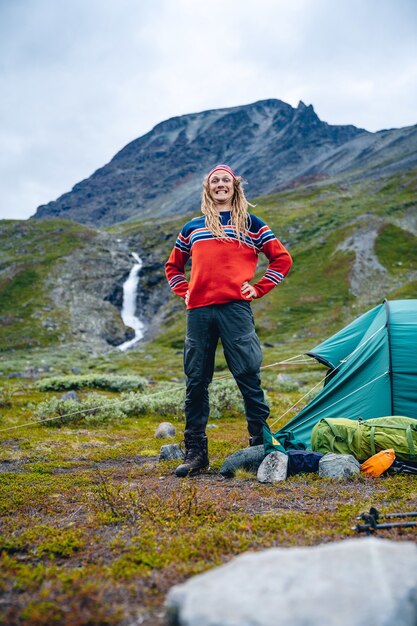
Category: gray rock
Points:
column 333, row 465
column 16, row 375
column 165, row 430
column 356, row 582
column 248, row 459
column 70, row 395
column 170, row 452
column 273, row 468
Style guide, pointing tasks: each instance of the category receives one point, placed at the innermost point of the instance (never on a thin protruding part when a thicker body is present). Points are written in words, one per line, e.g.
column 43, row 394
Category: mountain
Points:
column 269, row 142
column 343, row 201
column 369, row 155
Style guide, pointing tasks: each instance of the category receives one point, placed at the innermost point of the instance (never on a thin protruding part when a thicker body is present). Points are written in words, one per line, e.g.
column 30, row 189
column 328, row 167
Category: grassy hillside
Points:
column 326, row 227
column 28, row 252
column 317, row 296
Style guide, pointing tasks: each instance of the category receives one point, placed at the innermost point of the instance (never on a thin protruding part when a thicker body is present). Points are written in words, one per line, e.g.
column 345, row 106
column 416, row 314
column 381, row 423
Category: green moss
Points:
column 396, row 249
column 408, row 291
column 45, row 541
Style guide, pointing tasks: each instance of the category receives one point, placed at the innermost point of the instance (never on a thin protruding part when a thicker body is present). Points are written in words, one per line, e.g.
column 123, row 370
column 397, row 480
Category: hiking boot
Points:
column 196, row 456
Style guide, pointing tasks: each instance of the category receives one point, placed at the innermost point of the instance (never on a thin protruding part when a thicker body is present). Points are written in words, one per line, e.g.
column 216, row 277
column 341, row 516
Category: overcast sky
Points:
column 79, row 79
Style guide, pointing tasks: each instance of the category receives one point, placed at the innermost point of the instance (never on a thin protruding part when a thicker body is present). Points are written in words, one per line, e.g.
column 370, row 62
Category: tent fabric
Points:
column 372, row 370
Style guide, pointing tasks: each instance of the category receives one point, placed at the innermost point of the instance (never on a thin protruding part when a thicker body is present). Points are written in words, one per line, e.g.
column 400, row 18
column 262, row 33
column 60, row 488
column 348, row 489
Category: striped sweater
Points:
column 220, row 267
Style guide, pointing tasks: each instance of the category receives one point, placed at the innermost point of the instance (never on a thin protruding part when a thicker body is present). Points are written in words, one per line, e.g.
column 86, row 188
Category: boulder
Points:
column 165, row 430
column 333, row 465
column 356, row 582
column 273, row 468
column 170, row 451
column 248, row 459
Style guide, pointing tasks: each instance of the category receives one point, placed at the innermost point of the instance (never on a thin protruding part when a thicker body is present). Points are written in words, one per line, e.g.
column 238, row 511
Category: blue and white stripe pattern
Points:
column 176, row 280
column 193, row 232
column 274, row 277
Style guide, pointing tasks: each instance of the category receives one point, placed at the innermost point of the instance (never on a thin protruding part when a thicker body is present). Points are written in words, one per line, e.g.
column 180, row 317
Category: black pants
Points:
column 233, row 323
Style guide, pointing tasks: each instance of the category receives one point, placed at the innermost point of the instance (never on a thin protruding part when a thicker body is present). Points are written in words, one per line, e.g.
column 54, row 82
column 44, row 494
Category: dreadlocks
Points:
column 239, row 219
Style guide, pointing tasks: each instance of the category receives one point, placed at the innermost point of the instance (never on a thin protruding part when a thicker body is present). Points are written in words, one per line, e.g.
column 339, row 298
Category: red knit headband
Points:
column 222, row 167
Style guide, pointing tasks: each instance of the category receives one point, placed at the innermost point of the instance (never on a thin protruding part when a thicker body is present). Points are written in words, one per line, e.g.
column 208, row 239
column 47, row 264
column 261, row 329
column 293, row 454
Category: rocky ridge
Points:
column 160, row 173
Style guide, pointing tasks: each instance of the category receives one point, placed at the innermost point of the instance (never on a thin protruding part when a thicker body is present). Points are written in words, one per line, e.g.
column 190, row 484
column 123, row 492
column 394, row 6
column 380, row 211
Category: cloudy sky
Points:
column 79, row 79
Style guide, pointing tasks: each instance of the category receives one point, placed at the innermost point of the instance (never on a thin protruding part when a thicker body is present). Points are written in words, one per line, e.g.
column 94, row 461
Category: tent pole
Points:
column 387, row 311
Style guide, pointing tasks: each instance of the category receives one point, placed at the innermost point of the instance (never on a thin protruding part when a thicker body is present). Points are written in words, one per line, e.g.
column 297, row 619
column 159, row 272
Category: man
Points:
column 224, row 245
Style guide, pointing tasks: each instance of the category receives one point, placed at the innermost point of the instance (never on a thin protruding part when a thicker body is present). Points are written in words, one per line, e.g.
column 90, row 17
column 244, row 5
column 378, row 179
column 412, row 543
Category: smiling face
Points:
column 221, row 188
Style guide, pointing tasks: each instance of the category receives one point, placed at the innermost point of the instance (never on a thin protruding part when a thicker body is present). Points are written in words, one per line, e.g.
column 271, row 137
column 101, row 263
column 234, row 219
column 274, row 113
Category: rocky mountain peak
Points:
column 270, row 136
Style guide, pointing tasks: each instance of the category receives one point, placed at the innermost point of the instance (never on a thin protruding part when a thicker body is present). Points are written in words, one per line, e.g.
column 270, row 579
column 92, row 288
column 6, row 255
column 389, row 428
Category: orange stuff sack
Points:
column 378, row 463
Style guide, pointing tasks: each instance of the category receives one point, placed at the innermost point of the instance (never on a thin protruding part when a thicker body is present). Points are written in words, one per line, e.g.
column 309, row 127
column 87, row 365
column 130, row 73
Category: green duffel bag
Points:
column 364, row 438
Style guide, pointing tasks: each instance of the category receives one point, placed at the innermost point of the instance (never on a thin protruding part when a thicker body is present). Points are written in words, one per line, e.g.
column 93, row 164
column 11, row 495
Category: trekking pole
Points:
column 371, row 527
column 371, row 521
column 373, row 512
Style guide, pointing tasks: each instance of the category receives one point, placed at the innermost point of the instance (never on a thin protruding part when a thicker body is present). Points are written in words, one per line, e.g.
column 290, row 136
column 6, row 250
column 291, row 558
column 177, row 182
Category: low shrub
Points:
column 6, row 394
column 109, row 382
column 167, row 402
column 224, row 397
column 93, row 410
column 285, row 384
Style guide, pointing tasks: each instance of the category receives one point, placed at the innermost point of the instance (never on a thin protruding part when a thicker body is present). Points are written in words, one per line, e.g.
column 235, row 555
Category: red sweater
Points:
column 220, row 267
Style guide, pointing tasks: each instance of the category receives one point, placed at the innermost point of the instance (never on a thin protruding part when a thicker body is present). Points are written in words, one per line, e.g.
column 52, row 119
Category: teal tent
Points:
column 372, row 370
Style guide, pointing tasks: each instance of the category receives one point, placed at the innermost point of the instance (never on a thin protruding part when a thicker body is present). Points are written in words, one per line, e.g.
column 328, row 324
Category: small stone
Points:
column 248, row 459
column 70, row 395
column 273, row 468
column 170, row 451
column 16, row 375
column 333, row 465
column 165, row 430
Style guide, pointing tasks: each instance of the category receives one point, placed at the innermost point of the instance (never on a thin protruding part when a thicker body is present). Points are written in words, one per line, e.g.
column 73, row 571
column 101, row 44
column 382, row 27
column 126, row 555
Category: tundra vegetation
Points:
column 94, row 529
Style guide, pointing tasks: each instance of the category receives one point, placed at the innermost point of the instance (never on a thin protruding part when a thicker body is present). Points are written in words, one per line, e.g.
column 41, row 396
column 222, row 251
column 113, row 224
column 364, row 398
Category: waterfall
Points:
column 130, row 289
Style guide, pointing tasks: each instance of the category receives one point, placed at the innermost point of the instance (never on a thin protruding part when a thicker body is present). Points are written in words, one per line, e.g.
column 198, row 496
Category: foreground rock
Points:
column 333, row 465
column 165, row 430
column 170, row 452
column 248, row 459
column 358, row 582
column 273, row 468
